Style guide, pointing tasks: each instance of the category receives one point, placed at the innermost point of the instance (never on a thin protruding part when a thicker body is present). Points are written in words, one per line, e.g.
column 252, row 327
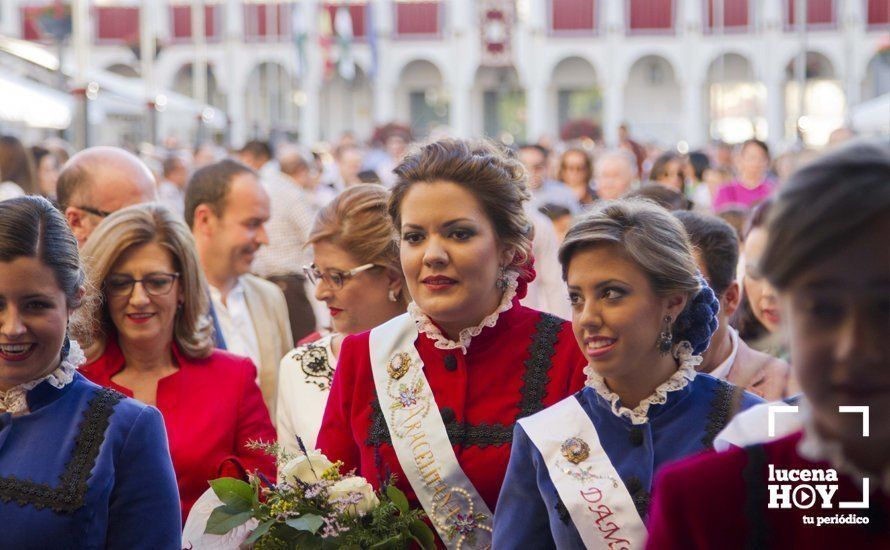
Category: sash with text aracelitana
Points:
column 420, row 440
column 591, row 490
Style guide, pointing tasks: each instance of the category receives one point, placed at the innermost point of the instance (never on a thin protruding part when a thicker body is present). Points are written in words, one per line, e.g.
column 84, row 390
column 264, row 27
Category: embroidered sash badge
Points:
column 575, row 450
column 398, row 366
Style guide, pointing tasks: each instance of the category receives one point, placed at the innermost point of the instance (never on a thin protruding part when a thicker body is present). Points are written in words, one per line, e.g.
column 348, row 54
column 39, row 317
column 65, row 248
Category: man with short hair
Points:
column 226, row 207
column 614, row 173
column 297, row 165
column 98, row 181
column 545, row 190
column 729, row 357
column 256, row 154
column 171, row 189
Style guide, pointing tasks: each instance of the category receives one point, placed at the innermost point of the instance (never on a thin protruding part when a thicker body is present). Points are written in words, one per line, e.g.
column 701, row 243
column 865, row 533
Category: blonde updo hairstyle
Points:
column 357, row 222
column 490, row 172
column 136, row 226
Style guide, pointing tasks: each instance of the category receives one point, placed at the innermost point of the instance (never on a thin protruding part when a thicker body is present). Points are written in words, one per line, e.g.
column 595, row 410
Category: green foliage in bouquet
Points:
column 314, row 506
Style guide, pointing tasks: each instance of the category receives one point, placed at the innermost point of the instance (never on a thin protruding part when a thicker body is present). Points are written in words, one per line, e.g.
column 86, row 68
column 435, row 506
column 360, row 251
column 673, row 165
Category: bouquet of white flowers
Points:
column 313, row 506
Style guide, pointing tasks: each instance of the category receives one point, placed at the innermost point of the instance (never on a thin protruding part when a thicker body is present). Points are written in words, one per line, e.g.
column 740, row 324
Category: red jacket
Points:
column 506, row 374
column 211, row 408
column 721, row 501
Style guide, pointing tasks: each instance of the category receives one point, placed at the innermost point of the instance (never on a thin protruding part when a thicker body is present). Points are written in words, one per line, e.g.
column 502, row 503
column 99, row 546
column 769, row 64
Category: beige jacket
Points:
column 268, row 311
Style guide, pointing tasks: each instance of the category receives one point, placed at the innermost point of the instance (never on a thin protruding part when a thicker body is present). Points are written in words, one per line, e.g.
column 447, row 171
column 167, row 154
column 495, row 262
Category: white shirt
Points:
column 722, row 370
column 235, row 322
column 547, row 292
column 290, row 221
column 171, row 196
column 10, row 190
column 304, row 383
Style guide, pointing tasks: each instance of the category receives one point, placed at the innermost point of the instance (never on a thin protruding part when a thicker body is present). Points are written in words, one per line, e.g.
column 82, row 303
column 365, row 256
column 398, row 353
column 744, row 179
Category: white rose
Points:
column 303, row 466
column 349, row 486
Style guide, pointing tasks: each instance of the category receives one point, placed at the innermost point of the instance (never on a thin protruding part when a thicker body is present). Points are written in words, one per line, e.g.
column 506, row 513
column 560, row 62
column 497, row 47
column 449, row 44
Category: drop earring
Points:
column 501, row 282
column 392, row 296
column 665, row 339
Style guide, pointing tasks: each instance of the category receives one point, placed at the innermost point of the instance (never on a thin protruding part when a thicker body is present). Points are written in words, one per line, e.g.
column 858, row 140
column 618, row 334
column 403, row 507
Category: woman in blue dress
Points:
column 80, row 466
column 580, row 472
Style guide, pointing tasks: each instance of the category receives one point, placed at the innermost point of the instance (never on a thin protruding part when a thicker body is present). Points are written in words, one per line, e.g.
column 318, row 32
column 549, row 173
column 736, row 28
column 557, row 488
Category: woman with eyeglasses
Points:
column 151, row 339
column 356, row 273
column 432, row 396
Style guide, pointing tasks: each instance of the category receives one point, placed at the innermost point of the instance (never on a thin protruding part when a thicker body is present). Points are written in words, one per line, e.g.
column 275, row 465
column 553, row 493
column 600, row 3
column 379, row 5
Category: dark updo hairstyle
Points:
column 824, row 205
column 31, row 227
column 490, row 172
column 656, row 241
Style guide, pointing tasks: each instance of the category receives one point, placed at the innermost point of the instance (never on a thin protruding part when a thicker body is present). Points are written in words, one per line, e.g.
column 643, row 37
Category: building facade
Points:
column 673, row 70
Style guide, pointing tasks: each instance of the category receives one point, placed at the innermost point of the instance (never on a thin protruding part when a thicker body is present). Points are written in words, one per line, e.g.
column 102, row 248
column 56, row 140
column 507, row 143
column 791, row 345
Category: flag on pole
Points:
column 343, row 26
column 371, row 33
column 300, row 30
column 325, row 41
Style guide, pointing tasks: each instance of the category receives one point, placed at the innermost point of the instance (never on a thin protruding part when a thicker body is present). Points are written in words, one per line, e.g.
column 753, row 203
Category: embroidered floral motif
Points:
column 408, row 395
column 15, row 401
column 483, row 435
column 314, row 362
column 69, row 495
column 585, row 473
column 426, row 325
column 455, row 514
column 677, row 381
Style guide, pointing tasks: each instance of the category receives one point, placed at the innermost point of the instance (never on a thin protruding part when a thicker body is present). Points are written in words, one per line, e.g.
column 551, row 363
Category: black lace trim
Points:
column 724, row 406
column 756, row 498
column 534, row 389
column 540, row 356
column 561, row 511
column 313, row 361
column 459, row 433
column 69, row 495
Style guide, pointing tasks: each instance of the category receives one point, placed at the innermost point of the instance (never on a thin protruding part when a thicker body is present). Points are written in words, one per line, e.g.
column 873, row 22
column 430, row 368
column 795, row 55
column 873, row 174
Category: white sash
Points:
column 420, row 440
column 590, row 488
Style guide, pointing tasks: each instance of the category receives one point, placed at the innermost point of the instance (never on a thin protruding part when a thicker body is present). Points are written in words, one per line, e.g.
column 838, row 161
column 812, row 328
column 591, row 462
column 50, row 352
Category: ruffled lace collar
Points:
column 15, row 400
column 677, row 381
column 426, row 325
column 816, row 448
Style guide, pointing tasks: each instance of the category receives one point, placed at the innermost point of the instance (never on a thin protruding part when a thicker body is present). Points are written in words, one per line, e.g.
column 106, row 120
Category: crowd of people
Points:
column 542, row 343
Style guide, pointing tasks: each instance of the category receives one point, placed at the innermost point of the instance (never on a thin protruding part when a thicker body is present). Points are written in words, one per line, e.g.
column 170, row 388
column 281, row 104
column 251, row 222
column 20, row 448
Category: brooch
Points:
column 399, row 365
column 575, row 450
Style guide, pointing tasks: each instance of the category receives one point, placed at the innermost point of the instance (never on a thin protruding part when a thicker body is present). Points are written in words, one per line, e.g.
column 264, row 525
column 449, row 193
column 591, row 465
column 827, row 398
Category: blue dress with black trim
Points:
column 86, row 468
column 530, row 514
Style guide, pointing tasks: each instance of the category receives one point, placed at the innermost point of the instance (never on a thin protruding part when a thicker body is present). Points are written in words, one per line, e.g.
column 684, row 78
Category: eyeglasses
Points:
column 334, row 279
column 95, row 211
column 156, row 284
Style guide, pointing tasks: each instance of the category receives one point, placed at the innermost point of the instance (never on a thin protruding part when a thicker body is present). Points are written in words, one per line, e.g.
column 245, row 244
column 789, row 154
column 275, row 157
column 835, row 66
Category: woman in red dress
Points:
column 151, row 339
column 432, row 395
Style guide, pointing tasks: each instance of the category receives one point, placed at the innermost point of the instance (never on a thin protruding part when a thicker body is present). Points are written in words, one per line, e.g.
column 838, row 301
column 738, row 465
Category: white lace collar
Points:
column 677, row 381
column 816, row 448
column 426, row 325
column 14, row 400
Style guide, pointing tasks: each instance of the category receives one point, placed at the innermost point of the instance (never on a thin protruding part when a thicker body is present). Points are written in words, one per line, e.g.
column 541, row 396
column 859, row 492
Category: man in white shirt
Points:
column 226, row 207
column 290, row 221
column 171, row 189
column 729, row 357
